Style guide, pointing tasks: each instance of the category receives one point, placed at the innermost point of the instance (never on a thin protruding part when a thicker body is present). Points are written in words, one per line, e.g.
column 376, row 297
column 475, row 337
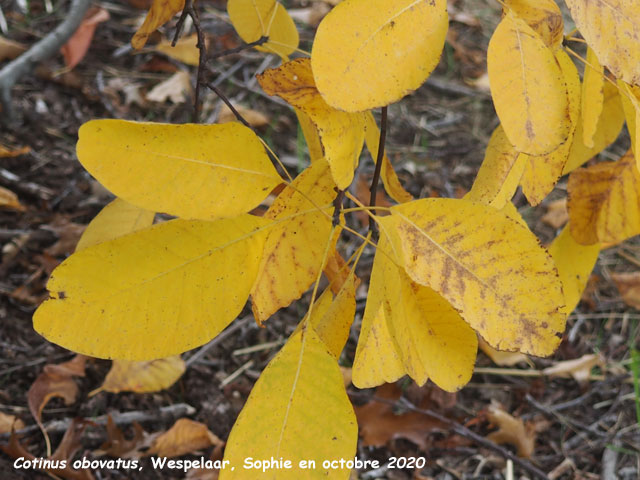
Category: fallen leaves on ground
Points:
column 511, row 430
column 629, row 287
column 117, row 445
column 186, row 436
column 9, row 422
column 68, row 234
column 8, row 199
column 13, row 151
column 557, row 214
column 502, row 359
column 185, row 49
column 578, row 368
column 55, row 381
column 142, row 377
column 78, row 45
column 177, row 88
column 10, row 49
column 253, row 117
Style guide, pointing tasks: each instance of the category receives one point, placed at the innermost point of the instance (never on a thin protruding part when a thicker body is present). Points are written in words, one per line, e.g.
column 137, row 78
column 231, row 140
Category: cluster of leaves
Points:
column 445, row 270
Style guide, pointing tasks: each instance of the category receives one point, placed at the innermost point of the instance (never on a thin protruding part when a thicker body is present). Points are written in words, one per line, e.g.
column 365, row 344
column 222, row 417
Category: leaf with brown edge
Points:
column 612, row 29
column 541, row 173
column 543, row 16
column 341, row 134
column 482, row 262
column 161, row 12
column 500, row 172
column 528, row 88
column 610, row 124
column 55, row 381
column 185, row 436
column 294, row 247
column 604, row 202
column 592, row 96
column 142, row 377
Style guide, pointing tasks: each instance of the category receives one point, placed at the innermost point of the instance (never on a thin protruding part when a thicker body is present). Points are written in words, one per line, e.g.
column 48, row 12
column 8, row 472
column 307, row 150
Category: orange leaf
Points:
column 186, row 436
column 77, row 46
column 8, row 199
column 160, row 13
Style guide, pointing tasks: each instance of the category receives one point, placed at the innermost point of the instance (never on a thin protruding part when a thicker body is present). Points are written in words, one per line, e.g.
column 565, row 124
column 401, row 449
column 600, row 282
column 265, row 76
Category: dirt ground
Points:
column 437, row 136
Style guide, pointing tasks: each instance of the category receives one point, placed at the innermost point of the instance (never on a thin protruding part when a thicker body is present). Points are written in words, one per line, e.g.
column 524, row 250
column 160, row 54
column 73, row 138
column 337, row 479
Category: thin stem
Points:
column 226, row 101
column 337, row 207
column 262, row 40
column 373, row 226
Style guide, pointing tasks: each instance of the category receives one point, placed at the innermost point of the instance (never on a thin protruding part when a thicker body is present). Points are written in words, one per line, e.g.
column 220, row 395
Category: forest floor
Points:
column 585, row 429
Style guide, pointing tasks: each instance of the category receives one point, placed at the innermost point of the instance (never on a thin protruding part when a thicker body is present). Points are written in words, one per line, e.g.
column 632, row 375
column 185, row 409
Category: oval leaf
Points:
column 154, row 293
column 543, row 16
column 528, row 88
column 490, row 267
column 191, row 171
column 308, row 405
column 389, row 52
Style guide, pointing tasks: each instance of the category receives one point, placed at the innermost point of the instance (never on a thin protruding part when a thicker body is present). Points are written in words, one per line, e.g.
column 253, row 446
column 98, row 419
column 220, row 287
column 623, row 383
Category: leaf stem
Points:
column 262, row 40
column 373, row 226
column 337, row 207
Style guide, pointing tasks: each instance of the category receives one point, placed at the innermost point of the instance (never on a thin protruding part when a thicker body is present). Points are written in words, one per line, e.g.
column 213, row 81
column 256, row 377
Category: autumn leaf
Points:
column 612, row 30
column 391, row 49
column 185, row 436
column 254, row 19
column 541, row 173
column 511, row 430
column 185, row 49
column 543, row 16
column 631, row 103
column 503, row 359
column 290, row 386
column 609, row 126
column 161, row 12
column 482, row 262
column 293, row 250
column 500, row 172
column 592, row 97
column 341, row 134
column 176, row 88
column 13, row 152
column 191, row 171
column 604, row 202
column 528, row 88
column 8, row 199
column 628, row 285
column 142, row 377
column 116, row 219
column 10, row 49
column 578, row 368
column 574, row 263
column 140, row 297
column 78, row 45
column 55, row 381
column 9, row 423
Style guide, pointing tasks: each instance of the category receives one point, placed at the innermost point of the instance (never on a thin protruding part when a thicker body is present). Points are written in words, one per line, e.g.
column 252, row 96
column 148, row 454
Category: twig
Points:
column 337, row 206
column 465, row 432
column 222, row 336
column 228, row 103
column 236, row 374
column 41, row 50
column 170, row 412
column 373, row 226
column 262, row 40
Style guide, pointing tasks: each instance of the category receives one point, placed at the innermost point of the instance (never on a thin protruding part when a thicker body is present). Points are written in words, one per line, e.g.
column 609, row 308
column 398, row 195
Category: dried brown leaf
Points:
column 557, row 214
column 186, row 436
column 629, row 287
column 511, row 430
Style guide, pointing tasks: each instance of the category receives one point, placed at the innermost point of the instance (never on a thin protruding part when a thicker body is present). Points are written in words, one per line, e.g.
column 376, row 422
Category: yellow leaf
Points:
column 512, row 212
column 370, row 53
column 311, row 135
column 631, row 103
column 303, row 389
column 334, row 324
column 499, row 174
column 8, row 199
column 161, row 12
column 612, row 30
column 503, row 359
column 604, row 202
column 293, row 250
column 541, row 173
column 191, row 171
column 142, row 377
column 543, row 16
column 609, row 125
column 574, row 263
column 528, row 88
column 484, row 264
column 389, row 178
column 153, row 293
column 116, row 219
column 186, row 436
column 377, row 358
column 431, row 337
column 592, row 97
column 254, row 19
column 185, row 50
column 341, row 133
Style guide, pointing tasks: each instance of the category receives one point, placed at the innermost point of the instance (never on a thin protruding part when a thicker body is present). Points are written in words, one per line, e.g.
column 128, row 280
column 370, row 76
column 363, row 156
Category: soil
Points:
column 436, row 141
